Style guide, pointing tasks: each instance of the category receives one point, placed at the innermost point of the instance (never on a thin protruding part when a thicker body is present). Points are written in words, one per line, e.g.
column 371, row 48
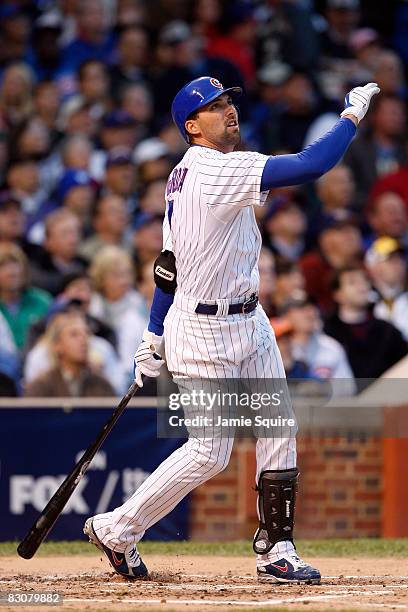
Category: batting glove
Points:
column 358, row 100
column 148, row 360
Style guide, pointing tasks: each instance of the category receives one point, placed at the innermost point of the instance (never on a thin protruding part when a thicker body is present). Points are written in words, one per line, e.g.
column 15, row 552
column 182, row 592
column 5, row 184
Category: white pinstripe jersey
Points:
column 210, row 223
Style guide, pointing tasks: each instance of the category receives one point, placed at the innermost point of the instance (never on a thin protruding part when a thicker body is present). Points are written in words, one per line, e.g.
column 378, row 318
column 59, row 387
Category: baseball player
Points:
column 206, row 309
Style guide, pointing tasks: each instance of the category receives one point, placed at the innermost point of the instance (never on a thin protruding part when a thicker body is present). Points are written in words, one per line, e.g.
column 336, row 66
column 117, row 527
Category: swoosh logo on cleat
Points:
column 115, row 559
column 279, row 567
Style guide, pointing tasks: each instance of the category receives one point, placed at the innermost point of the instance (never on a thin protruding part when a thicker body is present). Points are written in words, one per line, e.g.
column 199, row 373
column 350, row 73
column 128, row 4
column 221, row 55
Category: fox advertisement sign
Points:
column 41, row 445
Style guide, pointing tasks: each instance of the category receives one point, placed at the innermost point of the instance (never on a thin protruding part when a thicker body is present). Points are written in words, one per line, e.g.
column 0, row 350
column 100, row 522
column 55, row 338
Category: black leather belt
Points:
column 243, row 308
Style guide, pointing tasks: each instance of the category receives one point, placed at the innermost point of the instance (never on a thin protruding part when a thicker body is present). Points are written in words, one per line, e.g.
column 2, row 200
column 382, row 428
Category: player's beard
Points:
column 231, row 137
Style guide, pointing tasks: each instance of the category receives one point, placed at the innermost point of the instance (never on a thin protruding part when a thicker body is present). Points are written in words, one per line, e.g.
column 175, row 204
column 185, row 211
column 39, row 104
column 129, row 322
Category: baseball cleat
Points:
column 289, row 569
column 128, row 563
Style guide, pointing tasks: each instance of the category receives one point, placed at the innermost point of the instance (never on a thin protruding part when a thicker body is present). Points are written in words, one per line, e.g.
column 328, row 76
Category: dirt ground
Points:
column 206, row 583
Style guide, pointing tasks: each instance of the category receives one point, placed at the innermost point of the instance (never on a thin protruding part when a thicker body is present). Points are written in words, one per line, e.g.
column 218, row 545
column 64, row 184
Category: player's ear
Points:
column 192, row 127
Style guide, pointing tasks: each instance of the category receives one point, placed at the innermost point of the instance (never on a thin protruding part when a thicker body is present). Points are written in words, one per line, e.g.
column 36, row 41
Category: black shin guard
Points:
column 276, row 504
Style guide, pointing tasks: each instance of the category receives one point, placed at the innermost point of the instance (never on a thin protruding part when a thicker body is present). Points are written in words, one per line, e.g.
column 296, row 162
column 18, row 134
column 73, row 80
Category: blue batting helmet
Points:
column 194, row 96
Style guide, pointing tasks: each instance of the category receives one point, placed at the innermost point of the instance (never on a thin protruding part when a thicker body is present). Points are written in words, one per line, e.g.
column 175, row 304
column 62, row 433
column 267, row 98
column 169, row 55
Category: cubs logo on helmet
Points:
column 216, row 83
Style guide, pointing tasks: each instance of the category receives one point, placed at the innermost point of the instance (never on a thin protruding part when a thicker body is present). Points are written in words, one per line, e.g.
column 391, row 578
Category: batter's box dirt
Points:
column 207, row 583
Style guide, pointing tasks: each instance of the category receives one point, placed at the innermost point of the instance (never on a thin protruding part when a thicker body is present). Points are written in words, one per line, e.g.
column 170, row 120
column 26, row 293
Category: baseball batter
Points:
column 206, row 309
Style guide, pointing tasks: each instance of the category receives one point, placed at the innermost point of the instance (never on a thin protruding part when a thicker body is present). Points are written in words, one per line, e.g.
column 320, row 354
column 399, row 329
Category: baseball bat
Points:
column 46, row 520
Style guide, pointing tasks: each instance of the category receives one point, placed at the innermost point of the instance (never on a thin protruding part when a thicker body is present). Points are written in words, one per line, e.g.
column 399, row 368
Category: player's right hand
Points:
column 147, row 359
column 358, row 100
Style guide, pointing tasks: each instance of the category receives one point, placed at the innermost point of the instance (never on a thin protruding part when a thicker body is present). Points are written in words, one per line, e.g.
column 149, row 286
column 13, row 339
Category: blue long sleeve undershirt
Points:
column 312, row 162
column 279, row 171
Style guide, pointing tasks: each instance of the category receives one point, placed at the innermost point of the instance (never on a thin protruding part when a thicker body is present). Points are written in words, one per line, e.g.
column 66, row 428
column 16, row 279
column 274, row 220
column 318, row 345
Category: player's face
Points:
column 217, row 124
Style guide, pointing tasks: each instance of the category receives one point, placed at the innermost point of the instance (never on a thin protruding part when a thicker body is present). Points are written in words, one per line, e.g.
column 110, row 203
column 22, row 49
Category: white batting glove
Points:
column 358, row 100
column 148, row 360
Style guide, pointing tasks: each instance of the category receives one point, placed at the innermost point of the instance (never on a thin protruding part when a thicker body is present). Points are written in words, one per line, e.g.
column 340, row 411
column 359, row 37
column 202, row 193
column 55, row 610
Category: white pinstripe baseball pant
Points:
column 201, row 346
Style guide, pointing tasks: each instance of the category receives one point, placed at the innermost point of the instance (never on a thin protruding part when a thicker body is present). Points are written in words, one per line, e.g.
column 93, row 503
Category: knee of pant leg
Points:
column 214, row 455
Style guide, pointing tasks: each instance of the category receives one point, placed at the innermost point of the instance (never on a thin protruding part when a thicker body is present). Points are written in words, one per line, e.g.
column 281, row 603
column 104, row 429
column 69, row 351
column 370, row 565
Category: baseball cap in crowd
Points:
column 119, row 156
column 274, row 73
column 350, row 5
column 279, row 204
column 362, row 38
column 381, row 250
column 142, row 219
column 281, row 326
column 71, row 179
column 297, row 301
column 174, row 32
column 7, row 197
column 149, row 150
column 51, row 20
column 118, row 119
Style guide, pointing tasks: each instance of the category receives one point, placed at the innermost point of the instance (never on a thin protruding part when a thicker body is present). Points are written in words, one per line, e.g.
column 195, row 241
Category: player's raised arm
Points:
column 322, row 155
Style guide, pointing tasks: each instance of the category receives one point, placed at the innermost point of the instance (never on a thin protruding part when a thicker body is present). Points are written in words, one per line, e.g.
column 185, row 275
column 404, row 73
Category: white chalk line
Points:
column 240, row 602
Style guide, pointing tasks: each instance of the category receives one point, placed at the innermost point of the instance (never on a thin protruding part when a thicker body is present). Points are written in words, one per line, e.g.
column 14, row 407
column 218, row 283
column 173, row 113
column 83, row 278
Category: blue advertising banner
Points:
column 39, row 447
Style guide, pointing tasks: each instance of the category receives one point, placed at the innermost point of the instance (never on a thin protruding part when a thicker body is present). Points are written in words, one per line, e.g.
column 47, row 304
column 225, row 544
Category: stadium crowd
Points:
column 87, row 143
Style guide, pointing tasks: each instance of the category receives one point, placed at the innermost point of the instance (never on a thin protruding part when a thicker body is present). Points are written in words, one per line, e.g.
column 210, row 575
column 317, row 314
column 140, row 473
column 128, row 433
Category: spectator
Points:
column 14, row 32
column 131, row 64
column 93, row 83
column 324, row 356
column 379, row 151
column 285, row 227
column 181, row 58
column 266, row 268
column 387, row 215
column 46, row 105
column 32, row 141
column 110, row 221
column 71, row 375
column 302, row 104
column 136, row 101
column 151, row 197
column 342, row 19
column 294, row 368
column 395, row 181
column 339, row 245
column 289, row 283
column 387, row 268
column 102, row 354
column 75, row 192
column 287, row 34
column 45, row 57
column 147, row 236
column 16, row 103
column 116, row 302
column 23, row 178
column 335, row 191
column 20, row 304
column 238, row 39
column 120, row 176
column 389, row 73
column 366, row 47
column 93, row 39
column 152, row 157
column 371, row 344
column 119, row 129
column 75, row 117
column 13, row 222
column 60, row 254
column 76, row 152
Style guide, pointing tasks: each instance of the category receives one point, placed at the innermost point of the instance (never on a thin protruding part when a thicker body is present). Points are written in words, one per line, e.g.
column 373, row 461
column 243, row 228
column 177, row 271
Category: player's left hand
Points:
column 148, row 360
column 358, row 100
